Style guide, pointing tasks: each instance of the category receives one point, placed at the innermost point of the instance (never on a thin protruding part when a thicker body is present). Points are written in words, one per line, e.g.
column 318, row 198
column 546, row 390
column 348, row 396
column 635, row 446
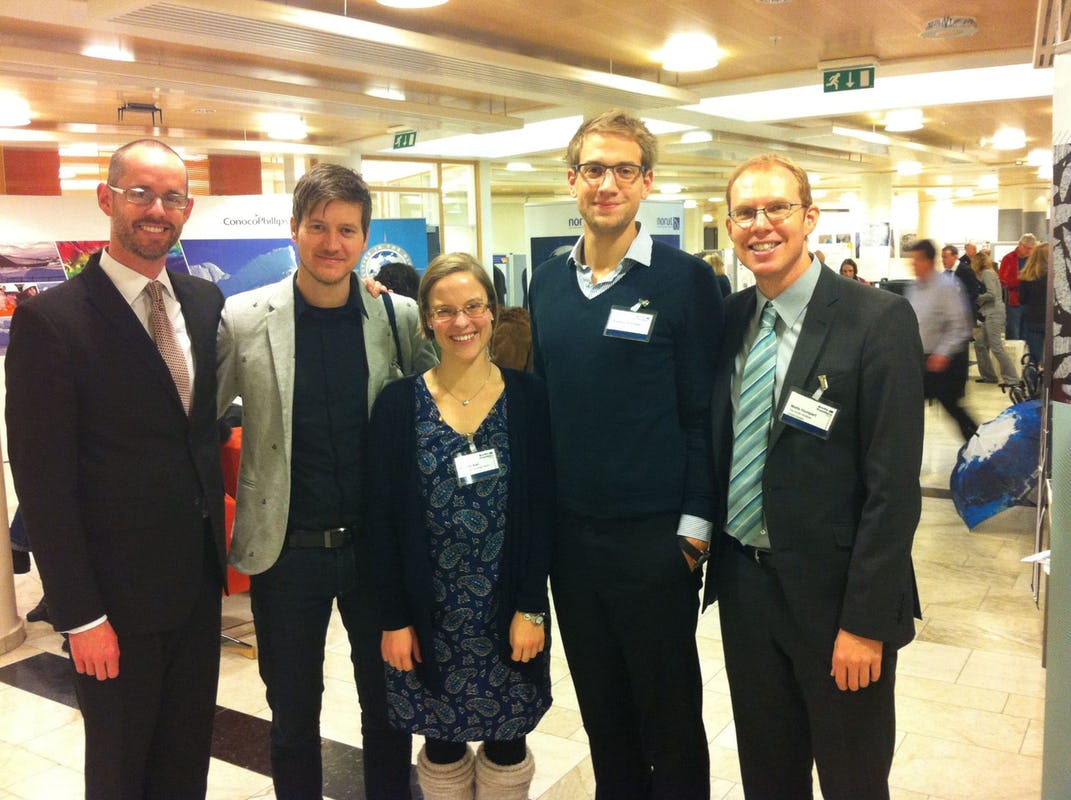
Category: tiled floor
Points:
column 970, row 689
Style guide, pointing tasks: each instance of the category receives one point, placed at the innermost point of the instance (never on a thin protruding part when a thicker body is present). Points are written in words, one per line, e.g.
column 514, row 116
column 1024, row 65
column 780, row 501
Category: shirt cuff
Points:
column 695, row 527
column 88, row 625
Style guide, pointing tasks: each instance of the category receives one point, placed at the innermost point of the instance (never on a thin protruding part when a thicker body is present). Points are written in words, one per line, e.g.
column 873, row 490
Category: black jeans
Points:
column 292, row 603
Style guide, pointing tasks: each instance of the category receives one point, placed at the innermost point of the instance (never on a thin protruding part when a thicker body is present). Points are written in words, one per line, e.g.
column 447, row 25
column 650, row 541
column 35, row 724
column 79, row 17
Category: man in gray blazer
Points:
column 308, row 355
column 817, row 419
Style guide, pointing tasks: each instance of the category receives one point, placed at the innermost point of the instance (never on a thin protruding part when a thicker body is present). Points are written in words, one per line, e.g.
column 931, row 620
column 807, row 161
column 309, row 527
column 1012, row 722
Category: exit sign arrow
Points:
column 847, row 79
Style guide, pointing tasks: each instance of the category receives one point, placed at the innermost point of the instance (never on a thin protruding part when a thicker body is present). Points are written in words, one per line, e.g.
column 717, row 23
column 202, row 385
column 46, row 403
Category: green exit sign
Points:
column 845, row 80
column 404, row 139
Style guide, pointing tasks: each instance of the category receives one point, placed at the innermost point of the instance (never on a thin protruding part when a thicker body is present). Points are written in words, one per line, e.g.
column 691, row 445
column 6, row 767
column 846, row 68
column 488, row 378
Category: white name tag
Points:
column 626, row 323
column 809, row 414
column 478, row 466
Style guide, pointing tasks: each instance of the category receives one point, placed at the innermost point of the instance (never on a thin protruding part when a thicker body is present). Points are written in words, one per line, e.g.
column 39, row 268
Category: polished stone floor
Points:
column 970, row 689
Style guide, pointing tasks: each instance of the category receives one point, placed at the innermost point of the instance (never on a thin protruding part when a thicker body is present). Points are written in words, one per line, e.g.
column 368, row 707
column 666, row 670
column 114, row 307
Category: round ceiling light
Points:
column 14, row 111
column 900, row 120
column 950, row 28
column 689, row 52
column 1009, row 139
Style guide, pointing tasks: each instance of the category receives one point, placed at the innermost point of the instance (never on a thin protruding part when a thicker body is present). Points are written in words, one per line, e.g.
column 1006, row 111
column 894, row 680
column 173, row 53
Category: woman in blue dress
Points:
column 460, row 515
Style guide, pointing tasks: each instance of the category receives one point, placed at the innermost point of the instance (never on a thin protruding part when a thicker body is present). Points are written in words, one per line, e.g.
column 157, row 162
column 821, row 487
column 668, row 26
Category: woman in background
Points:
column 460, row 520
column 718, row 265
column 849, row 269
column 1033, row 297
column 990, row 337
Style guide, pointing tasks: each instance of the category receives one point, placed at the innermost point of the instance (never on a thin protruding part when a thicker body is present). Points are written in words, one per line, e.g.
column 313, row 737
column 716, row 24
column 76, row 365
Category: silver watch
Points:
column 535, row 619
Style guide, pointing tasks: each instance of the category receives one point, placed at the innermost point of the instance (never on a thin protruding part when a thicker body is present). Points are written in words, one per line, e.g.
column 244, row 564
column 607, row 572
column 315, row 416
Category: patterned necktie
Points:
column 751, row 431
column 163, row 333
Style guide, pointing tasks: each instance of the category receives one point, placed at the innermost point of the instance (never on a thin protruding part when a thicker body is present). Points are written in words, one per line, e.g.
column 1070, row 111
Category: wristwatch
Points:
column 536, row 618
column 700, row 556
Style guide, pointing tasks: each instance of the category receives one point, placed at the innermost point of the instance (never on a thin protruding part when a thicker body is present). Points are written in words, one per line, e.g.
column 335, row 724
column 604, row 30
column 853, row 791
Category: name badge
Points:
column 630, row 323
column 477, row 466
column 809, row 414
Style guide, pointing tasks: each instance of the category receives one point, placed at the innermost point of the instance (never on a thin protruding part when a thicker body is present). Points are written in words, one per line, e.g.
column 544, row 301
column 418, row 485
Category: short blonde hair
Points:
column 765, row 161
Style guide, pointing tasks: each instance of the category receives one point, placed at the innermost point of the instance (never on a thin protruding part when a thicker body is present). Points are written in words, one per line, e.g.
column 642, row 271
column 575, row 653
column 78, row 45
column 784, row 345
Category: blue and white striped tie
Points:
column 751, row 431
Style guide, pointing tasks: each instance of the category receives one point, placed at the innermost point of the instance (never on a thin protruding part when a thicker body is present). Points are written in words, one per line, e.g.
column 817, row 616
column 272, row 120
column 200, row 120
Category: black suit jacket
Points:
column 841, row 513
column 114, row 480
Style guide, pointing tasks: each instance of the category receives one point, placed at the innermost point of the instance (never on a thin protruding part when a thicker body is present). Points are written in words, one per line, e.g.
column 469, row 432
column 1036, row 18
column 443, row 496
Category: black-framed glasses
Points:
column 140, row 196
column 745, row 216
column 594, row 172
column 473, row 310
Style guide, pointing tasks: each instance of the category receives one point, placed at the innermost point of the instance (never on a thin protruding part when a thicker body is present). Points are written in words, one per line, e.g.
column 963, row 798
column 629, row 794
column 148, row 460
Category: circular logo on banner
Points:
column 378, row 255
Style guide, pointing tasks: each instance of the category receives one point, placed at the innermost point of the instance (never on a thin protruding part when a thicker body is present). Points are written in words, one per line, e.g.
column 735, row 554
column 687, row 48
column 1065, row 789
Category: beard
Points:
column 127, row 234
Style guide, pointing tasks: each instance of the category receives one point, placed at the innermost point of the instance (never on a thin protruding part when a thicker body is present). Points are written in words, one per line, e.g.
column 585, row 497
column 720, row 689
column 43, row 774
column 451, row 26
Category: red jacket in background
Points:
column 1009, row 276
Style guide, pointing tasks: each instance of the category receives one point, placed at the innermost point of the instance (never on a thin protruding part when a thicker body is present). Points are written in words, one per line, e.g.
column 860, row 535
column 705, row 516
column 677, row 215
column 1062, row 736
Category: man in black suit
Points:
column 115, row 456
column 813, row 571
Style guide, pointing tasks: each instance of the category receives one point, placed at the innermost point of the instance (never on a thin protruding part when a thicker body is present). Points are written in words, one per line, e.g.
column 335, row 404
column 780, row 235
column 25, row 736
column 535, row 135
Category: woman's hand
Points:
column 526, row 638
column 400, row 648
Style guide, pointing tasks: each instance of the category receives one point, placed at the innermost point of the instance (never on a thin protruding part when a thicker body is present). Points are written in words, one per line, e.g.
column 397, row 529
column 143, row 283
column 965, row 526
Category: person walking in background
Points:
column 624, row 331
column 989, row 342
column 945, row 327
column 461, row 532
column 111, row 423
column 1010, row 267
column 1034, row 299
column 718, row 265
column 309, row 355
column 965, row 273
column 817, row 428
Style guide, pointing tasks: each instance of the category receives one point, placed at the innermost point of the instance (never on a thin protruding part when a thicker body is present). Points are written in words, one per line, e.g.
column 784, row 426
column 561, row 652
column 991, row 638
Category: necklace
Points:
column 490, row 367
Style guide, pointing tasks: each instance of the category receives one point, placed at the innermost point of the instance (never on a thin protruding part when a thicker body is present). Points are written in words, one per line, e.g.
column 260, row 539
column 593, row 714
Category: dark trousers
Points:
column 292, row 603
column 947, row 388
column 1014, row 322
column 789, row 713
column 627, row 607
column 149, row 730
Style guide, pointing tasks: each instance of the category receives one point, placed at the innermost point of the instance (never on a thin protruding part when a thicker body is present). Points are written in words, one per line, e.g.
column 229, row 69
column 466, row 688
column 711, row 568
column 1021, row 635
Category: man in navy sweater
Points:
column 624, row 333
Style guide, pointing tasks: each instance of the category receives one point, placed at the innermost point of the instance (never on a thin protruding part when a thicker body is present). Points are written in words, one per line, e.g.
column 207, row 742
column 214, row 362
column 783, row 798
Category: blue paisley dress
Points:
column 484, row 697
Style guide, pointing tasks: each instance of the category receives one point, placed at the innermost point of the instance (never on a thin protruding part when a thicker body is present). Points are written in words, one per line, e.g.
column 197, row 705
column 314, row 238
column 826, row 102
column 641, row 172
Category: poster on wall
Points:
column 395, row 240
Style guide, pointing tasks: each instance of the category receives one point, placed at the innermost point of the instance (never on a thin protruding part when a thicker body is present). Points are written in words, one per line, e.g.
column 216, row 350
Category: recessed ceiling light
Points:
column 950, row 28
column 708, row 218
column 691, row 204
column 14, row 111
column 1039, row 157
column 285, row 126
column 899, row 120
column 386, row 93
column 689, row 52
column 695, row 137
column 908, row 168
column 988, row 182
column 411, row 3
column 1008, row 139
column 519, row 166
column 108, row 52
column 669, row 188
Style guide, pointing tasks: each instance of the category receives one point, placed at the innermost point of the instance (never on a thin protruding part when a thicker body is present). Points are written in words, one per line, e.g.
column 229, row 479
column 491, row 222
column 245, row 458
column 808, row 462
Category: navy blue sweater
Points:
column 630, row 419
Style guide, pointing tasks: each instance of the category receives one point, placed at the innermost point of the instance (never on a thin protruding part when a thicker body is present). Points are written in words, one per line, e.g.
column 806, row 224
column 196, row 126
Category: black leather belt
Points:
column 329, row 538
column 759, row 555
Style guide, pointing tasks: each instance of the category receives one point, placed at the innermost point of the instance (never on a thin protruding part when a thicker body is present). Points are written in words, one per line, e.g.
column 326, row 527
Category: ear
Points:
column 810, row 220
column 293, row 229
column 571, row 175
column 648, row 181
column 104, row 198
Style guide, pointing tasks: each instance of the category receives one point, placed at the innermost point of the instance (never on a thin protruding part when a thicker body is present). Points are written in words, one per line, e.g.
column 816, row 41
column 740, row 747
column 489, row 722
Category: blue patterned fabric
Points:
column 483, row 697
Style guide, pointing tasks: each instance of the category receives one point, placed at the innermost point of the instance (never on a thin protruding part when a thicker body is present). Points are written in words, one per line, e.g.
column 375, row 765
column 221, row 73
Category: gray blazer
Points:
column 256, row 362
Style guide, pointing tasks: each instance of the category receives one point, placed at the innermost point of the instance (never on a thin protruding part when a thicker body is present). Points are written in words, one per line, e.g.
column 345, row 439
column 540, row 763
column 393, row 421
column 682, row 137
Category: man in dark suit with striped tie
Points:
column 817, row 420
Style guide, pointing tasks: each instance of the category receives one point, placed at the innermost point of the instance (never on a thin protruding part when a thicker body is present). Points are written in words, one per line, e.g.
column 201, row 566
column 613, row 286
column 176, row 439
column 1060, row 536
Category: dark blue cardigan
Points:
column 396, row 537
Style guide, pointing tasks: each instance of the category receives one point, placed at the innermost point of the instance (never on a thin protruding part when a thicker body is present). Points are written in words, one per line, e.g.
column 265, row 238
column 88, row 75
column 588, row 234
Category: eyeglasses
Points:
column 140, row 196
column 594, row 172
column 745, row 216
column 444, row 314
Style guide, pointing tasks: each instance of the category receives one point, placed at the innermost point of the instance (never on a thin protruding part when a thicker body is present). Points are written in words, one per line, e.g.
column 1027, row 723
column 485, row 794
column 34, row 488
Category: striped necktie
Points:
column 163, row 333
column 751, row 431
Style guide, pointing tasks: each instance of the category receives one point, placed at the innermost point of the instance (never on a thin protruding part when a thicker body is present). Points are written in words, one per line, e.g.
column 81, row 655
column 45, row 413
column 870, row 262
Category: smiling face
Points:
column 330, row 240
column 775, row 252
column 460, row 337
column 608, row 206
column 141, row 236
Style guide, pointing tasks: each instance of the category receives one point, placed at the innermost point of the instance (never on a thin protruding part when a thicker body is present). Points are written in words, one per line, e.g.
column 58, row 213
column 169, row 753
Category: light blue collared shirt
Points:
column 791, row 307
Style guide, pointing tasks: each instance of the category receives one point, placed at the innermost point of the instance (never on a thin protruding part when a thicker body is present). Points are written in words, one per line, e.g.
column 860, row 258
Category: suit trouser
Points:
column 292, row 603
column 1014, row 321
column 149, row 730
column 627, row 607
column 989, row 342
column 787, row 709
column 947, row 388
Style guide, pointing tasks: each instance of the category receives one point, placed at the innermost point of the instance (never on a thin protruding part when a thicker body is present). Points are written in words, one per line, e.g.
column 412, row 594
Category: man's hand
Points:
column 96, row 651
column 400, row 648
column 374, row 287
column 526, row 638
column 698, row 544
column 856, row 661
column 937, row 363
